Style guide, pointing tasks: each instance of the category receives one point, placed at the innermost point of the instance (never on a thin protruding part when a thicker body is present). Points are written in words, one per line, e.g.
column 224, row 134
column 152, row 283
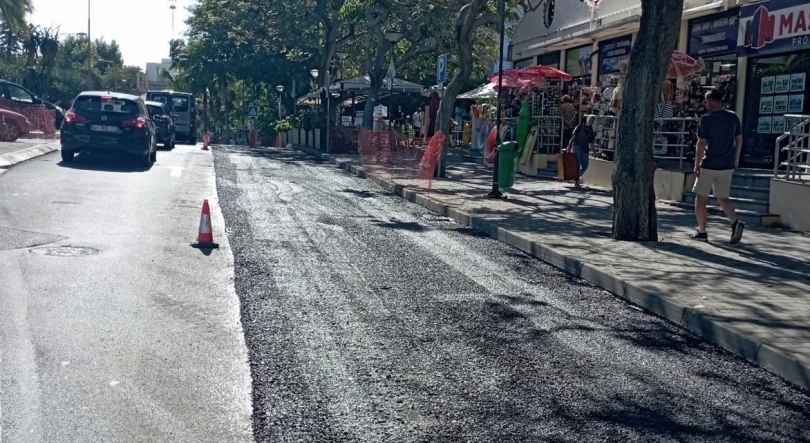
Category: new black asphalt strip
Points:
column 368, row 318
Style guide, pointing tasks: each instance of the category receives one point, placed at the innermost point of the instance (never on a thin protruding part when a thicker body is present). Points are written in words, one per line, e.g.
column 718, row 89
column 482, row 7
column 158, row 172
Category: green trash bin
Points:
column 508, row 154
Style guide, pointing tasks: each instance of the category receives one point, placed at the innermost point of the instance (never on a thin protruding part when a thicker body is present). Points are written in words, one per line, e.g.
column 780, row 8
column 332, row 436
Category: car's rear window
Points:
column 105, row 105
column 154, row 110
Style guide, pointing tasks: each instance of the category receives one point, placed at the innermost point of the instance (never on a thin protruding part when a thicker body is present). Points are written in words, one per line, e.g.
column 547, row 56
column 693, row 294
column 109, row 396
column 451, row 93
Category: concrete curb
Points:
column 12, row 158
column 710, row 328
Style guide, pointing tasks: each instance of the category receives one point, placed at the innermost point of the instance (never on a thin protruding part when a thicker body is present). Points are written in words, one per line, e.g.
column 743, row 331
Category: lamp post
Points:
column 89, row 50
column 496, row 191
column 314, row 73
column 280, row 90
column 393, row 37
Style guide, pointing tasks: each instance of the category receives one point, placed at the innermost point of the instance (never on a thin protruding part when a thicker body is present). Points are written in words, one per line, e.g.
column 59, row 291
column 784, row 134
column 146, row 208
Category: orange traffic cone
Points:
column 206, row 140
column 205, row 237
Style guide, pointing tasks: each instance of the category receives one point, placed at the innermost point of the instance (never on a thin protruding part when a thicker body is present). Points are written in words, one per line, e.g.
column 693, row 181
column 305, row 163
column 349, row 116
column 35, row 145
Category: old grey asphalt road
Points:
column 369, row 319
column 112, row 328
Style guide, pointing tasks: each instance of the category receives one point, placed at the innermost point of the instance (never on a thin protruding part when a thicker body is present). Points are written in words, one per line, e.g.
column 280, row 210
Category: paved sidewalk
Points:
column 752, row 299
column 24, row 149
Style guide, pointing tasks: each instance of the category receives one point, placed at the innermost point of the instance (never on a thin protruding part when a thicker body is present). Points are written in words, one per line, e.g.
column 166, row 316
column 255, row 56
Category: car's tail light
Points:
column 137, row 123
column 71, row 117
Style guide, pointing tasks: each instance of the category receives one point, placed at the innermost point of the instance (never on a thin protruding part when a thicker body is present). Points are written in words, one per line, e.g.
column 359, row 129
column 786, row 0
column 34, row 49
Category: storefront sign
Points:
column 611, row 52
column 551, row 59
column 774, row 26
column 578, row 61
column 713, row 35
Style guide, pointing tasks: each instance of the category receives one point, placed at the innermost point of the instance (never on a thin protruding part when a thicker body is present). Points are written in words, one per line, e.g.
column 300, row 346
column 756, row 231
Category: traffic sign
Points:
column 441, row 69
column 253, row 111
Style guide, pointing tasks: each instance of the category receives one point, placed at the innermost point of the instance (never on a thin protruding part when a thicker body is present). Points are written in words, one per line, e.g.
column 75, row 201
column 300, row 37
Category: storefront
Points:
column 611, row 52
column 714, row 40
column 775, row 36
column 552, row 59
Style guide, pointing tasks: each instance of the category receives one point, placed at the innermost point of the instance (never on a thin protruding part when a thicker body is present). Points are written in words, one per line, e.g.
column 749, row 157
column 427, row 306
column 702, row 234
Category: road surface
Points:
column 112, row 328
column 369, row 319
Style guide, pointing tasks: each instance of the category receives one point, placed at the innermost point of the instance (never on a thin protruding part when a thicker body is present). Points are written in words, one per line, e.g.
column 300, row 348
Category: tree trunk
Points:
column 634, row 215
column 468, row 21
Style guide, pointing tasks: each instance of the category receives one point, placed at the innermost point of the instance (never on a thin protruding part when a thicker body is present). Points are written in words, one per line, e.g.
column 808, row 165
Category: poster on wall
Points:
column 767, row 85
column 578, row 61
column 778, row 125
column 780, row 104
column 713, row 35
column 764, row 125
column 796, row 104
column 797, row 82
column 766, row 105
column 773, row 26
column 611, row 52
column 782, row 84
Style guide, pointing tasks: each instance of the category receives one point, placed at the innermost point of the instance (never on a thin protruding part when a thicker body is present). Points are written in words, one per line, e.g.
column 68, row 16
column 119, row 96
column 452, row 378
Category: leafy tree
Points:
column 634, row 215
column 13, row 13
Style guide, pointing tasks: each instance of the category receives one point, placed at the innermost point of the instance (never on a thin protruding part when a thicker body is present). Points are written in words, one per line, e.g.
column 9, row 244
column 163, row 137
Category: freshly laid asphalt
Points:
column 112, row 328
column 369, row 319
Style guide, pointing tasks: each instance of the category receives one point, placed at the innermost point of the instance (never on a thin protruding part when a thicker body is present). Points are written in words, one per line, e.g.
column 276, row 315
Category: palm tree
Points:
column 14, row 14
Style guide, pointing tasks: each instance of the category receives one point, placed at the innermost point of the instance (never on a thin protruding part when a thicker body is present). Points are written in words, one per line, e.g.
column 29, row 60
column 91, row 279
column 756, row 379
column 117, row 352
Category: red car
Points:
column 13, row 126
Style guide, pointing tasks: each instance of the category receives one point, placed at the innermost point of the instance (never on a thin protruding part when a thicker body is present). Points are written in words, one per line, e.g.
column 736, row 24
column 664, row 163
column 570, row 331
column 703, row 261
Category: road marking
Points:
column 177, row 171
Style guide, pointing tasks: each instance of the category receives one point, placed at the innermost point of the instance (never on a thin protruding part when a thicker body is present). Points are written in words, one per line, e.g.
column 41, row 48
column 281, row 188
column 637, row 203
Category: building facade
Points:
column 154, row 77
column 756, row 52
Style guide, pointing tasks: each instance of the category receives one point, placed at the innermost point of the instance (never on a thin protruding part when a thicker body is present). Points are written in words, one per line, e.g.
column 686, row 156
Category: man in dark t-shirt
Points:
column 718, row 155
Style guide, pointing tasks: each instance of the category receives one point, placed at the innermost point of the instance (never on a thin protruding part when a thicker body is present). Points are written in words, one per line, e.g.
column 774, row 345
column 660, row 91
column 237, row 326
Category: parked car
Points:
column 25, row 99
column 14, row 126
column 164, row 123
column 109, row 123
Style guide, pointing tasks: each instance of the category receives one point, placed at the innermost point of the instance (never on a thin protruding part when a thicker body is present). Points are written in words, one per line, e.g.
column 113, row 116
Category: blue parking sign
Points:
column 441, row 69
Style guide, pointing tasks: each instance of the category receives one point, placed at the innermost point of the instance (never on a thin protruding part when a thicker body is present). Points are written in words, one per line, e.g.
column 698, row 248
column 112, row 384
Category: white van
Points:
column 181, row 106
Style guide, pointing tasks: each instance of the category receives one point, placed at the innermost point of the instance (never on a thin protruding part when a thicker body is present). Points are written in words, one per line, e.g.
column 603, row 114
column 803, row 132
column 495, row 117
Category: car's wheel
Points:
column 11, row 132
column 67, row 155
column 153, row 156
column 193, row 141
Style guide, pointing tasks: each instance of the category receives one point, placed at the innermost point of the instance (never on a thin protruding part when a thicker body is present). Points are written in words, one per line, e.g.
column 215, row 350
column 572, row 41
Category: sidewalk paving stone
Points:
column 752, row 299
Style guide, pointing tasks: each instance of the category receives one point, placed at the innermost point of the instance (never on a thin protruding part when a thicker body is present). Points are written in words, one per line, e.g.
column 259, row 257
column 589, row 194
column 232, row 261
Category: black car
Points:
column 25, row 98
column 164, row 123
column 109, row 123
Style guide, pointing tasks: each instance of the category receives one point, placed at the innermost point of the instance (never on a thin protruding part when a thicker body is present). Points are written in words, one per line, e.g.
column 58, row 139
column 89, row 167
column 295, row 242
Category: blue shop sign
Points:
column 774, row 26
column 713, row 35
column 612, row 51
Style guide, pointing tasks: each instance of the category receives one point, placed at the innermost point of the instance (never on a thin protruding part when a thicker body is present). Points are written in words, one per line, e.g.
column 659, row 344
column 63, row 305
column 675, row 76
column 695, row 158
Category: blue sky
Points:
column 142, row 28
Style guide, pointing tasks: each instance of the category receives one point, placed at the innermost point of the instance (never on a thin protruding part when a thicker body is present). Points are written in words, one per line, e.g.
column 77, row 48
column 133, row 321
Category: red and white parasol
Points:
column 682, row 65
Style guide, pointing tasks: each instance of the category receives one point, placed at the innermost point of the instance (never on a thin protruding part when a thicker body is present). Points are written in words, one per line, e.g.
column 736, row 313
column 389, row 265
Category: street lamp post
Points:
column 496, row 191
column 280, row 89
column 89, row 50
column 393, row 37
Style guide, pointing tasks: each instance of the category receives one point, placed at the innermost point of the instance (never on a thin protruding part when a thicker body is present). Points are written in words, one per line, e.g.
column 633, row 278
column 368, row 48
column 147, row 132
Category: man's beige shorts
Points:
column 712, row 178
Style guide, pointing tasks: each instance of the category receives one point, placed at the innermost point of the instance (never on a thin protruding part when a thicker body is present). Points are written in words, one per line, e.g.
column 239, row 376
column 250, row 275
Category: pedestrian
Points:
column 582, row 137
column 569, row 115
column 417, row 121
column 717, row 156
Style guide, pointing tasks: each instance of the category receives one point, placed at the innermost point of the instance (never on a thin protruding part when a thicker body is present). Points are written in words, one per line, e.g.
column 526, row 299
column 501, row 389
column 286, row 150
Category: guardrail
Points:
column 796, row 151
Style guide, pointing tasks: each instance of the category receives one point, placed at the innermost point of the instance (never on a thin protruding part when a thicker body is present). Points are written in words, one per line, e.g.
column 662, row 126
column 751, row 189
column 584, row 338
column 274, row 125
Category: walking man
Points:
column 416, row 119
column 718, row 155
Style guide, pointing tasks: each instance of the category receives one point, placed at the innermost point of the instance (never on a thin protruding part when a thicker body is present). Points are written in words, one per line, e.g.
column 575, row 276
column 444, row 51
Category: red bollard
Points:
column 252, row 139
column 206, row 141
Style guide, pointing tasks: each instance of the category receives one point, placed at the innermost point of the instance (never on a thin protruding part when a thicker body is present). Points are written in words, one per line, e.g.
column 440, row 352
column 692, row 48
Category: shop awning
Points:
column 483, row 92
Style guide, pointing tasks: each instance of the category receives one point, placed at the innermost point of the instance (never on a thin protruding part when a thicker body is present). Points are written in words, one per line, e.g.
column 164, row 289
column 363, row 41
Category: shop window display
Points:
column 775, row 85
